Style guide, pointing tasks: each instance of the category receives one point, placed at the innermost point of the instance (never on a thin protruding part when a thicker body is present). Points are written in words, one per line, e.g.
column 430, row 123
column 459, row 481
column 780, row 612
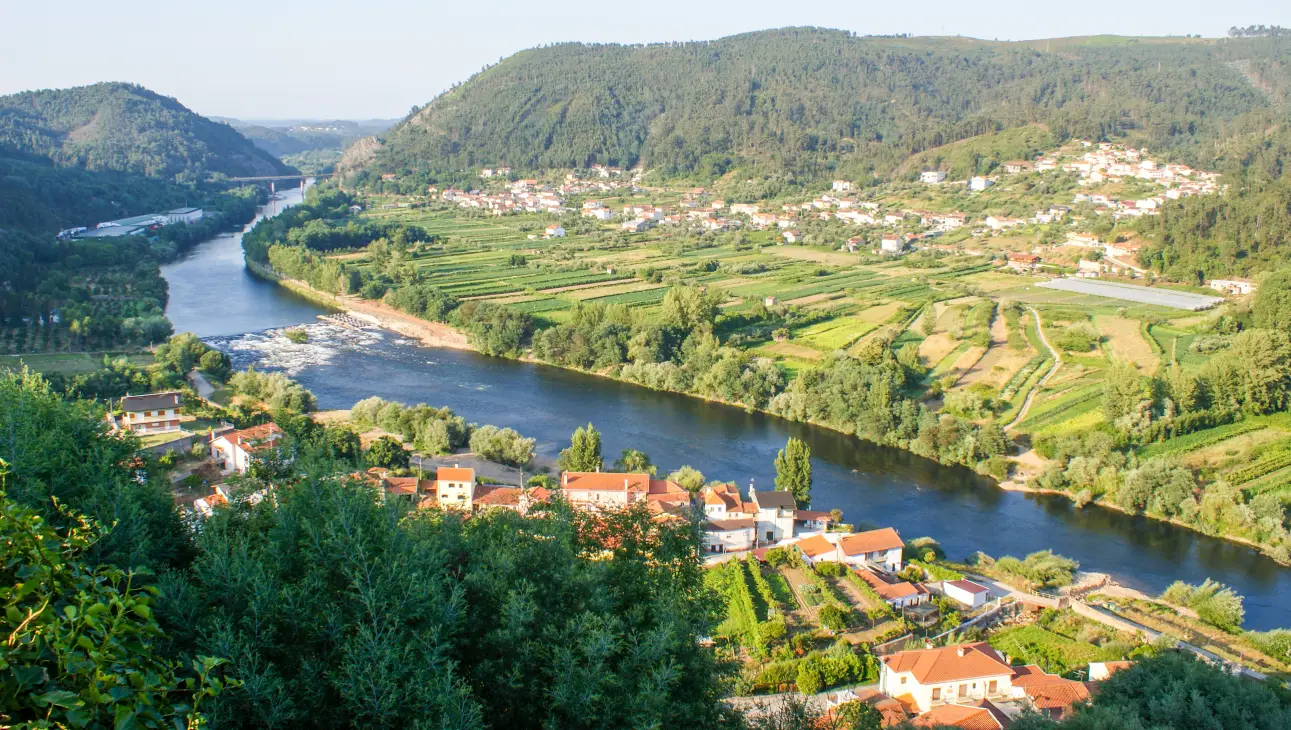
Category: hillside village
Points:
column 813, row 573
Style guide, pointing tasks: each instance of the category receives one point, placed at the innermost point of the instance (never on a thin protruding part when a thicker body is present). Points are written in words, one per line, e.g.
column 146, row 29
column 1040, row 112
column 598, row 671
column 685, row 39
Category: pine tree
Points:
column 793, row 471
column 584, row 452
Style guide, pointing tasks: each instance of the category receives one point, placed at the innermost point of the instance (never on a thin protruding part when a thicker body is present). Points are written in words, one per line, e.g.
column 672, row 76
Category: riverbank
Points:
column 430, row 334
column 435, row 334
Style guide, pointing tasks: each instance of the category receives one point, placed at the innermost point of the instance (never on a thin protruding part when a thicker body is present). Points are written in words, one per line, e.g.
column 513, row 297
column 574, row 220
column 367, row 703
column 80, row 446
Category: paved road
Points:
column 201, row 385
column 1057, row 363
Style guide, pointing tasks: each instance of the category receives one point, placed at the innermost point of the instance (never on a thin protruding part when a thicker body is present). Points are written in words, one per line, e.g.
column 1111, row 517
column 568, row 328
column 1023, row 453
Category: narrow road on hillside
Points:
column 1057, row 363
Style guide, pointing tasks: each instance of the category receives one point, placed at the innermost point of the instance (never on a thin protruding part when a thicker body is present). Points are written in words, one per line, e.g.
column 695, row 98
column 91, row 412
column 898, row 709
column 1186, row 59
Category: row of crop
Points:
column 741, row 616
column 535, row 306
column 938, row 572
column 1264, row 466
column 633, row 298
column 754, row 570
column 1200, row 439
column 1020, row 378
column 1069, row 401
column 965, row 271
column 879, row 608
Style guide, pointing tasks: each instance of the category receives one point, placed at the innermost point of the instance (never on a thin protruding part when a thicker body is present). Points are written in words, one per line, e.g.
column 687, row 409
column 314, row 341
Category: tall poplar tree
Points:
column 584, row 452
column 793, row 471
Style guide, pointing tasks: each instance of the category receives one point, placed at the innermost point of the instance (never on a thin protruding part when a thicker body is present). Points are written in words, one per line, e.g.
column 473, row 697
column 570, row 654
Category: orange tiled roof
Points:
column 406, row 485
column 729, row 525
column 455, row 474
column 815, row 545
column 968, row 586
column 888, row 591
column 604, row 481
column 967, row 717
column 807, row 514
column 874, row 541
column 892, row 710
column 948, row 664
column 1049, row 691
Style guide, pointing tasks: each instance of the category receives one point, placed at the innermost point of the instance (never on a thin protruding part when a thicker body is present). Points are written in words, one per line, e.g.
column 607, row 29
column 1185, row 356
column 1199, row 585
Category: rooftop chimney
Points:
column 960, row 651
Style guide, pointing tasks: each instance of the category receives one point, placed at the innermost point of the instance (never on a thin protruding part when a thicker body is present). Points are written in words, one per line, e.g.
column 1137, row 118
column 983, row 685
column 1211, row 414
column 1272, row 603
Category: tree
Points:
column 689, row 478
column 584, row 452
column 216, row 364
column 634, row 462
column 502, row 445
column 388, row 453
column 793, row 471
column 858, row 716
column 1123, row 390
column 84, row 648
column 1272, row 306
column 342, row 443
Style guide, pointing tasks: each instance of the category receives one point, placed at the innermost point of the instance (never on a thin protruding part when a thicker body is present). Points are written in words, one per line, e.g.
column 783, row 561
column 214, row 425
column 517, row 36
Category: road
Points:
column 201, row 385
column 1057, row 363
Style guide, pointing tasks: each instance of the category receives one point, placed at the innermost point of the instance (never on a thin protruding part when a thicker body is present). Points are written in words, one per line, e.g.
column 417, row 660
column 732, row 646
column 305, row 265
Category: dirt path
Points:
column 1057, row 363
column 201, row 385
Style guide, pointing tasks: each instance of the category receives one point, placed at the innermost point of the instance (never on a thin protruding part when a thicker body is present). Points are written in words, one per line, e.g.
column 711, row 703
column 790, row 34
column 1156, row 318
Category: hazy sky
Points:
column 377, row 58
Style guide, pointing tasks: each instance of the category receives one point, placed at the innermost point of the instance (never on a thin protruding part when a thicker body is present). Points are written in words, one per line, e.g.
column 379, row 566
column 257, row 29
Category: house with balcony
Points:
column 872, row 550
column 150, row 413
column 775, row 515
column 236, row 450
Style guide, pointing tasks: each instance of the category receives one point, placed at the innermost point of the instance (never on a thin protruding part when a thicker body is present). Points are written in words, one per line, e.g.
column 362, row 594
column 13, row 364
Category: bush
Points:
column 1214, row 602
column 835, row 618
column 502, row 445
column 830, row 569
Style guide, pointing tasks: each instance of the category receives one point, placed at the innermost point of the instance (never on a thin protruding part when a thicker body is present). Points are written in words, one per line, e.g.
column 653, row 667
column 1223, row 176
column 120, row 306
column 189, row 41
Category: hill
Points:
column 127, row 128
column 820, row 102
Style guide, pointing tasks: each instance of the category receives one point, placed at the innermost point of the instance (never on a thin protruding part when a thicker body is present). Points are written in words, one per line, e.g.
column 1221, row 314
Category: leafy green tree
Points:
column 634, row 462
column 341, row 611
column 584, row 452
column 502, row 445
column 689, row 478
column 216, row 364
column 83, row 647
column 342, row 443
column 388, row 453
column 858, row 716
column 1272, row 305
column 793, row 471
column 1123, row 390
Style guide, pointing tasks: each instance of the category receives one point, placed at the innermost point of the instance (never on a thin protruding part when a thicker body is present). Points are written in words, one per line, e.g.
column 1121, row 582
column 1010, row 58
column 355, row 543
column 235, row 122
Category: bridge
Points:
column 265, row 178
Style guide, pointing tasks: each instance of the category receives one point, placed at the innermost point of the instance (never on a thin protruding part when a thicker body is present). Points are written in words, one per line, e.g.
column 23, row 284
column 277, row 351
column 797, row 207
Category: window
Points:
column 963, row 690
column 936, row 693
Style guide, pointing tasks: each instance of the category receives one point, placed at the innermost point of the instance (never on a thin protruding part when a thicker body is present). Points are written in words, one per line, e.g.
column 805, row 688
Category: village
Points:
column 813, row 574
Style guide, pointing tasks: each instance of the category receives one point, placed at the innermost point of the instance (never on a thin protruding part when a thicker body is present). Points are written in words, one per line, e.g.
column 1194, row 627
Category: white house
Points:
column 600, row 214
column 1089, row 267
column 953, row 674
column 978, row 184
column 792, row 236
column 898, row 594
column 891, row 245
column 555, row 231
column 1233, row 286
column 970, row 594
column 234, row 451
column 455, row 487
column 151, row 413
column 636, row 225
column 816, row 549
column 841, row 186
column 616, row 490
column 775, row 514
column 932, row 177
column 729, row 536
column 880, row 549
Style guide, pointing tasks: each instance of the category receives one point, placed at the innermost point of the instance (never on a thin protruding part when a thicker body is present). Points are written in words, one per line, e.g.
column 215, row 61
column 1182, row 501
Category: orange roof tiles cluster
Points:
column 889, row 591
column 455, row 474
column 605, row 481
column 815, row 546
column 873, row 541
column 1049, row 691
column 966, row 717
column 949, row 663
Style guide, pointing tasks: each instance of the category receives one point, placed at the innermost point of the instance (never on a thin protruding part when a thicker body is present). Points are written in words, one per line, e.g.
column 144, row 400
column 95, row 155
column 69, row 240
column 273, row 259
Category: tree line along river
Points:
column 212, row 295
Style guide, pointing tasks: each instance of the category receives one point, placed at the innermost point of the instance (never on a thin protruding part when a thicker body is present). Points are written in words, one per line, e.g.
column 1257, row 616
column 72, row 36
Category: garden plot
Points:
column 1125, row 341
column 821, row 256
column 608, row 289
column 1000, row 362
column 835, row 334
column 791, row 350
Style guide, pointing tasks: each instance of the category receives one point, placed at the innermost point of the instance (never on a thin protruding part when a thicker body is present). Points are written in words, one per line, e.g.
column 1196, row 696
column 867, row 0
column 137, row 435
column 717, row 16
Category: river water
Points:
column 212, row 295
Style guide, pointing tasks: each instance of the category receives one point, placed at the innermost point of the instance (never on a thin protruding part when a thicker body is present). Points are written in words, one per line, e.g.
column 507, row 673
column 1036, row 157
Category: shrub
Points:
column 835, row 618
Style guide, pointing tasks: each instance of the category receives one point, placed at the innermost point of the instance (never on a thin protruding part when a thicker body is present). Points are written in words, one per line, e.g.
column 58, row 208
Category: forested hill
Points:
column 127, row 128
column 821, row 102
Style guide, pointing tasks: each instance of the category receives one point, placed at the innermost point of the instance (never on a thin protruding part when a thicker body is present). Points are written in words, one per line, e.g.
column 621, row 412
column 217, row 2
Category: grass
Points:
column 69, row 363
column 1052, row 652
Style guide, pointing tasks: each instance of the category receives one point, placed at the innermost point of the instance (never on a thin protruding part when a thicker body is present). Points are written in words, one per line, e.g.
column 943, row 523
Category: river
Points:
column 212, row 295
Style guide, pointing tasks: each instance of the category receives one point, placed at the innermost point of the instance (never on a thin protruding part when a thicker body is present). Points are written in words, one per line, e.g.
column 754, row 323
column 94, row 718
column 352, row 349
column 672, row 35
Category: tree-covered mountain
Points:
column 127, row 128
column 818, row 102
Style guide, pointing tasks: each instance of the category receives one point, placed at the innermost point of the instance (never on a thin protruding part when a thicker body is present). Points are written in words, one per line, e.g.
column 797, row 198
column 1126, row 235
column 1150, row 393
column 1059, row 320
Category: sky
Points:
column 334, row 59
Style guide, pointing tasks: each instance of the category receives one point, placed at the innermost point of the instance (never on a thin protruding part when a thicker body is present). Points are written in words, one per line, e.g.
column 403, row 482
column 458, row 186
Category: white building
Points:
column 555, row 231
column 950, row 675
column 978, row 184
column 932, row 177
column 879, row 549
column 455, row 487
column 151, row 413
column 234, row 451
column 970, row 594
column 775, row 514
column 183, row 215
column 729, row 536
column 891, row 245
column 600, row 214
column 841, row 186
column 1233, row 286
